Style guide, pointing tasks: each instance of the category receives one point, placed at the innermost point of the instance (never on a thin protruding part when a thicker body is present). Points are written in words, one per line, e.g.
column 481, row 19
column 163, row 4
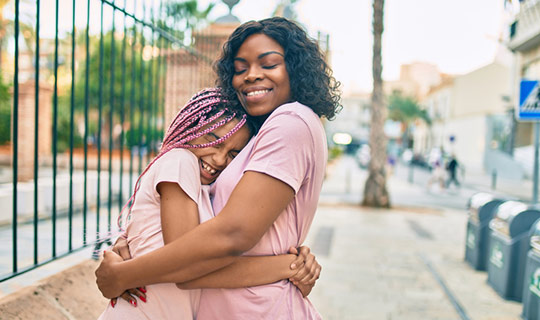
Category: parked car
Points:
column 363, row 156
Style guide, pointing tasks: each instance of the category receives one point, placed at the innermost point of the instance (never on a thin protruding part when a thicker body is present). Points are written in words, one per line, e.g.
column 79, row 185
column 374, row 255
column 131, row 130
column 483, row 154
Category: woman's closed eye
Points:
column 239, row 67
column 270, row 66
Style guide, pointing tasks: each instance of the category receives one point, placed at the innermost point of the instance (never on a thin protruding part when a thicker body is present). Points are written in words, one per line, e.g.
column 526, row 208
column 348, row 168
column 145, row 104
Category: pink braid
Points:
column 205, row 108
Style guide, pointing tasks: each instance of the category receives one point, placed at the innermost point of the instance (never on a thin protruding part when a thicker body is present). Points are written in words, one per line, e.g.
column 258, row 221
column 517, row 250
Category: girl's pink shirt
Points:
column 144, row 234
column 290, row 146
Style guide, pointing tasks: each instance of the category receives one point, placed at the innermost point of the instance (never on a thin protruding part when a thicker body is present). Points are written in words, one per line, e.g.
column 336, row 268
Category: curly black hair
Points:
column 312, row 83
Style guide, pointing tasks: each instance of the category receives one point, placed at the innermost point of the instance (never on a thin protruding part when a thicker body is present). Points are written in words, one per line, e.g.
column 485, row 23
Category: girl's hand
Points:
column 122, row 249
column 106, row 279
column 131, row 295
column 309, row 270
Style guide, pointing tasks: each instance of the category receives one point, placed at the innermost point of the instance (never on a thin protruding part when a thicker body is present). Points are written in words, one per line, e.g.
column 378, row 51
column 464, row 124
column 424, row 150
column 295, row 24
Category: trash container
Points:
column 531, row 281
column 508, row 246
column 481, row 208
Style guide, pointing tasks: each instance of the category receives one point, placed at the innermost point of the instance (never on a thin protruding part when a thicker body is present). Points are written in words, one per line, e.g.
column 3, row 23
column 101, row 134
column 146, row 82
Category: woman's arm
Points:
column 260, row 270
column 245, row 271
column 209, row 247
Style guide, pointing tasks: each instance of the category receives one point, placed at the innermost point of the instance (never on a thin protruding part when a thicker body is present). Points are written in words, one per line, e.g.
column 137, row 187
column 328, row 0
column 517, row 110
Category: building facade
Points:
column 470, row 118
column 524, row 42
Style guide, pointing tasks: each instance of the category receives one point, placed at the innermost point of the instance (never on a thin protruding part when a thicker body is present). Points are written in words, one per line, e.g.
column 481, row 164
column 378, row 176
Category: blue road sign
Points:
column 529, row 100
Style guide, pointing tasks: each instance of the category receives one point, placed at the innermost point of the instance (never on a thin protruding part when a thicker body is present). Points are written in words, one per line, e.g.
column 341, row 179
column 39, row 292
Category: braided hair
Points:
column 205, row 112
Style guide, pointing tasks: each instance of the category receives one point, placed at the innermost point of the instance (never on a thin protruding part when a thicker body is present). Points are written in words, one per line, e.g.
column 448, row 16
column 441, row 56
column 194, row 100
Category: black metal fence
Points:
column 91, row 88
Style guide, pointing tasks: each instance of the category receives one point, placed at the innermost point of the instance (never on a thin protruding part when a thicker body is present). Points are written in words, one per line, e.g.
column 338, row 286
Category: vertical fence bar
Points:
column 122, row 114
column 36, row 135
column 161, row 75
column 71, row 128
column 157, row 88
column 132, row 104
column 111, row 121
column 86, row 103
column 155, row 134
column 149, row 98
column 55, row 131
column 154, row 85
column 100, row 108
column 15, row 139
column 141, row 101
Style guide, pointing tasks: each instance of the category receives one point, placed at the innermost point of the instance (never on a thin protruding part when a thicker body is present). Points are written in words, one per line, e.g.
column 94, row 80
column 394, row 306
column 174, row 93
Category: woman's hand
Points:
column 122, row 249
column 106, row 278
column 309, row 270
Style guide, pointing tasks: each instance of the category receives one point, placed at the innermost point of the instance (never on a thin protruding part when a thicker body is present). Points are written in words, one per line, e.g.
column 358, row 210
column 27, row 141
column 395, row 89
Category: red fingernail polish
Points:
column 142, row 290
column 143, row 299
column 112, row 303
column 133, row 303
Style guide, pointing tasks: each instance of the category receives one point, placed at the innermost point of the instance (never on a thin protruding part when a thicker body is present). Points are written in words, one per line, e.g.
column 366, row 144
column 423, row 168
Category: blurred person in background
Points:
column 438, row 176
column 451, row 167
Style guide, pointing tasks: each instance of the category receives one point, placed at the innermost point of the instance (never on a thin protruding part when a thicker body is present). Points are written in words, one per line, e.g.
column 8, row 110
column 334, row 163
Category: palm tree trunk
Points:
column 375, row 192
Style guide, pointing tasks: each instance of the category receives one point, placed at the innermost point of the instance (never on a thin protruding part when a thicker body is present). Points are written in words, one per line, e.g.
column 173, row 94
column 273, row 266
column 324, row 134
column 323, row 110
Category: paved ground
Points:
column 397, row 264
column 403, row 263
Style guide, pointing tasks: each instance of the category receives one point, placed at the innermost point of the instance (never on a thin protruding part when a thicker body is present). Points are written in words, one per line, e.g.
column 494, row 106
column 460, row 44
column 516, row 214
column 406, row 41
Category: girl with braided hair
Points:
column 201, row 141
column 266, row 200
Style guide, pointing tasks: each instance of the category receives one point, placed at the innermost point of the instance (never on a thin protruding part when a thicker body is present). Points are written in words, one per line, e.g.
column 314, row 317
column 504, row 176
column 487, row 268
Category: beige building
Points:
column 469, row 115
column 415, row 80
column 354, row 118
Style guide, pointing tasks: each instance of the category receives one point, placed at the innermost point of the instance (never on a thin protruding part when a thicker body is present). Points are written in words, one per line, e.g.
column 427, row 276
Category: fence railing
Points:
column 88, row 103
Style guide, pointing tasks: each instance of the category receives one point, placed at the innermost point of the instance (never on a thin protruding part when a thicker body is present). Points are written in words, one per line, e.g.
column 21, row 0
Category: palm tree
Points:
column 375, row 191
column 181, row 17
column 406, row 110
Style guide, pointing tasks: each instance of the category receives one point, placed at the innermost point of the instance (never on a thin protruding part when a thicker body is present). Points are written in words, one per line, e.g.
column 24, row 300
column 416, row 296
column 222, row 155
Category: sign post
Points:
column 529, row 110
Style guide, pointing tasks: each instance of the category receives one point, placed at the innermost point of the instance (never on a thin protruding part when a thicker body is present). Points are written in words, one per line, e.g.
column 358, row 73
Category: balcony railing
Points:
column 525, row 30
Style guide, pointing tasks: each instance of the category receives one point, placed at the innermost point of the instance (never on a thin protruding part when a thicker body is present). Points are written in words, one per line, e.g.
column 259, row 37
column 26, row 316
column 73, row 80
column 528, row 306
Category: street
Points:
column 402, row 263
column 406, row 262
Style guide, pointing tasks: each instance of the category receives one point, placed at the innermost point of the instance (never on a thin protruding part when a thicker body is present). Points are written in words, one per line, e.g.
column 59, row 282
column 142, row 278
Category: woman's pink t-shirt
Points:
column 290, row 146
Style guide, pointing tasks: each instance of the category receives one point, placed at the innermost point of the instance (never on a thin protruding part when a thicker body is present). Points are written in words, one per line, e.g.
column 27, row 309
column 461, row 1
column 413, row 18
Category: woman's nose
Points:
column 253, row 75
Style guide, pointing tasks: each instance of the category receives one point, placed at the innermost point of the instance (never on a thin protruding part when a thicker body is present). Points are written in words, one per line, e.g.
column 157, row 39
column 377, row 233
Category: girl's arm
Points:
column 210, row 246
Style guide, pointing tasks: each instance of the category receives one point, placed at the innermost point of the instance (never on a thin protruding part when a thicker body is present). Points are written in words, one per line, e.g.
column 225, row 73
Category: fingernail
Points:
column 133, row 303
column 112, row 303
column 143, row 299
column 142, row 290
column 293, row 266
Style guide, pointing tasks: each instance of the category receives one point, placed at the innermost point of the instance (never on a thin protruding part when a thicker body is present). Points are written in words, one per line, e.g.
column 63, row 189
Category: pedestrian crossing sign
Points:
column 529, row 100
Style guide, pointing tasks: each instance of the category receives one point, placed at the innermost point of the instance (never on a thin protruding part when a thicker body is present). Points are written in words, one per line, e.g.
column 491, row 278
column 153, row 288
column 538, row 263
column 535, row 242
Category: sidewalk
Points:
column 402, row 263
column 397, row 263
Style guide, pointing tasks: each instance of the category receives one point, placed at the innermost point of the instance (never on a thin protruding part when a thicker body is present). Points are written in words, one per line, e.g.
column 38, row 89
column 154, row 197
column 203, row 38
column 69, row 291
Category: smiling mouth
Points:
column 208, row 169
column 257, row 93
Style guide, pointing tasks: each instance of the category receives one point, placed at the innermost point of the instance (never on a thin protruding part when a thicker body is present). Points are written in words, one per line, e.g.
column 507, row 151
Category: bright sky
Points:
column 458, row 36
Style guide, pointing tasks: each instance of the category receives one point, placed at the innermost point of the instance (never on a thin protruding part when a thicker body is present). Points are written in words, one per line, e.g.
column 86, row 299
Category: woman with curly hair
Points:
column 266, row 199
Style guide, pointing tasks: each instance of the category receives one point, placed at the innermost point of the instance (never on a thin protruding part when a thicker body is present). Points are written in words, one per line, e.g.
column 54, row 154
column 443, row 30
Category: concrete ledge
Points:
column 70, row 294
